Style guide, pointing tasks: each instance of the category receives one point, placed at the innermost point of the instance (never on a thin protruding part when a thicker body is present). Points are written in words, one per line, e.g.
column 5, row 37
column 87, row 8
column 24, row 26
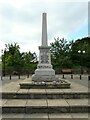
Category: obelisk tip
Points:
column 44, row 29
column 44, row 13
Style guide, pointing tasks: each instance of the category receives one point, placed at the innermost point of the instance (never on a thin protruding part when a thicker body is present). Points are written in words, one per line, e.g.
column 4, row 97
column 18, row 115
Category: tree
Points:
column 28, row 59
column 12, row 58
column 60, row 53
column 14, row 61
column 81, row 59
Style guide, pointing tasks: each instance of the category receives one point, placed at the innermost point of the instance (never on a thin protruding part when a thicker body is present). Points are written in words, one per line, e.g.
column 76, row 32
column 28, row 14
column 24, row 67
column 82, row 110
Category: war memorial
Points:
column 44, row 96
column 45, row 74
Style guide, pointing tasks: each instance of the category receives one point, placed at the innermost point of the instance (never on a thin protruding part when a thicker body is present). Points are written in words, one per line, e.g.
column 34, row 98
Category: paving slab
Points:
column 36, row 94
column 36, row 106
column 20, row 116
column 36, row 116
column 61, row 116
column 54, row 91
column 21, row 94
column 22, row 91
column 69, row 116
column 40, row 91
column 57, row 102
column 77, row 102
column 74, row 91
column 78, row 87
column 67, row 90
column 79, row 115
column 10, row 89
column 36, row 102
column 2, row 102
column 26, row 80
column 13, row 115
column 15, row 102
column 14, row 106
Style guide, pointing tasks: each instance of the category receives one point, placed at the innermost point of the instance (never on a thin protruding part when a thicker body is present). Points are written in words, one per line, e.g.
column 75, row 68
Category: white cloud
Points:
column 21, row 21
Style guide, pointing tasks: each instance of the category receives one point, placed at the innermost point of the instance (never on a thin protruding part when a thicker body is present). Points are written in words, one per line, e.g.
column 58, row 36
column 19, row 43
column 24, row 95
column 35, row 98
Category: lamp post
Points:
column 81, row 52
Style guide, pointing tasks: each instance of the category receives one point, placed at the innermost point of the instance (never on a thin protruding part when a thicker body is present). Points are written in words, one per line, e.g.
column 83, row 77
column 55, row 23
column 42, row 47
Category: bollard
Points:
column 19, row 76
column 80, row 77
column 28, row 76
column 10, row 77
column 63, row 76
column 88, row 77
column 71, row 76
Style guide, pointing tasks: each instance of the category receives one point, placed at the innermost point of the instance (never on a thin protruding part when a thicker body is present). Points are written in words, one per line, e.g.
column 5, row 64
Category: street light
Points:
column 81, row 52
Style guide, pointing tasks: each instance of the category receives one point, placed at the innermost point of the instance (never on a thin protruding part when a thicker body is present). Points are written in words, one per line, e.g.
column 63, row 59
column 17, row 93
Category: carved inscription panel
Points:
column 44, row 56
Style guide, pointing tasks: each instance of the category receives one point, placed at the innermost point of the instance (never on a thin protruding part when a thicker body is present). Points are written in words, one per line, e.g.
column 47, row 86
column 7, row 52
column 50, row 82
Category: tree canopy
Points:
column 81, row 58
column 60, row 53
column 65, row 54
column 13, row 60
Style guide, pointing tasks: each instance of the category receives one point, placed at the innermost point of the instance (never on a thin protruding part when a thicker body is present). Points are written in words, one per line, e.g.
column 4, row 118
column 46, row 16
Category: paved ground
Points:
column 76, row 78
column 77, row 85
column 6, row 79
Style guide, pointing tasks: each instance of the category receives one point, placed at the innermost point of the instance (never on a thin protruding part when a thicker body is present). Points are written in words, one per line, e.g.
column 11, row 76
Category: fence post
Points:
column 80, row 77
column 10, row 77
column 28, row 76
column 63, row 76
column 71, row 76
column 19, row 76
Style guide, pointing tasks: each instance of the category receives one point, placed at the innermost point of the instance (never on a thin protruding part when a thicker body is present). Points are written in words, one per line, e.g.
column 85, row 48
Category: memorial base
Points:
column 46, row 78
column 46, row 75
column 45, row 85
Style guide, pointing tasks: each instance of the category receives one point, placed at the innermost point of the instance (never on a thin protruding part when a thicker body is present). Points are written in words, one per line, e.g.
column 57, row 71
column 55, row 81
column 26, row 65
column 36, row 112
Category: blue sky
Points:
column 79, row 33
column 21, row 21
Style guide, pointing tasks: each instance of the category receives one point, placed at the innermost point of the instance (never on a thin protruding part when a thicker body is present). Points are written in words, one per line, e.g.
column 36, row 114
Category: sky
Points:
column 21, row 21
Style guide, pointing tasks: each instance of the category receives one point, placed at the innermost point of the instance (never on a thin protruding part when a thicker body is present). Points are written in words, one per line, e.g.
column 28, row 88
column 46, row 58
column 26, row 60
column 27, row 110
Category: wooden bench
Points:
column 66, row 71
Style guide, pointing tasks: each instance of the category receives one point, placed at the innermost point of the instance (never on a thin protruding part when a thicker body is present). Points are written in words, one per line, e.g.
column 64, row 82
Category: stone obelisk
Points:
column 44, row 71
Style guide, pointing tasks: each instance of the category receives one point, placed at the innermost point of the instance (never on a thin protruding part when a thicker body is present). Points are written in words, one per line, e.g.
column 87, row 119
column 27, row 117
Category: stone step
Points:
column 45, row 106
column 45, row 116
column 45, row 94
